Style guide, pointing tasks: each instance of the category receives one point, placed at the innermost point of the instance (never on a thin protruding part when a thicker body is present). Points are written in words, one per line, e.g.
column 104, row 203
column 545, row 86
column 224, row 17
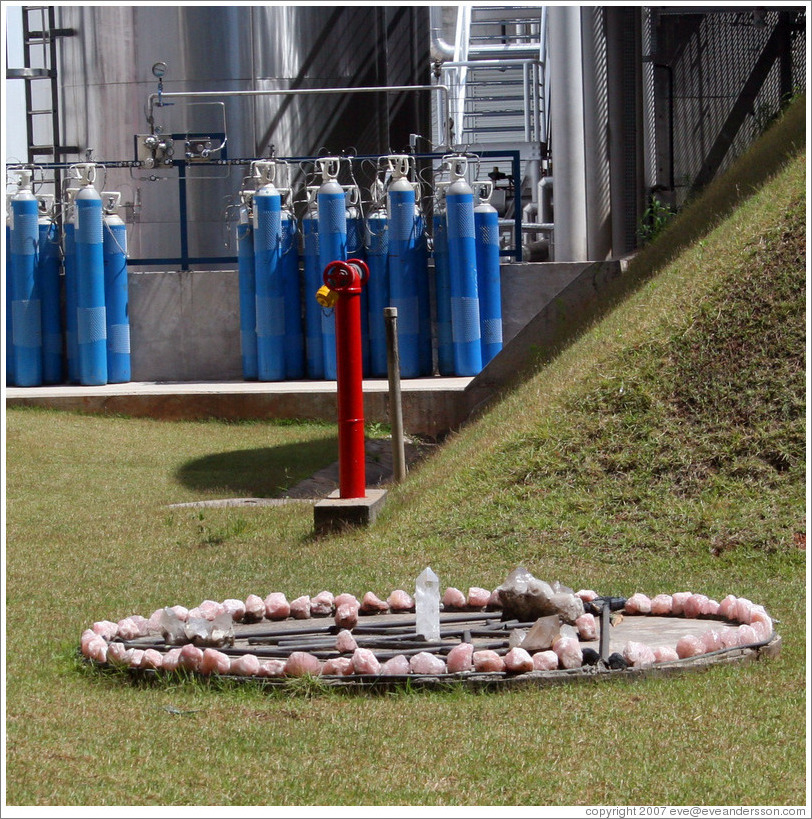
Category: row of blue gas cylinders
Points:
column 94, row 337
column 285, row 334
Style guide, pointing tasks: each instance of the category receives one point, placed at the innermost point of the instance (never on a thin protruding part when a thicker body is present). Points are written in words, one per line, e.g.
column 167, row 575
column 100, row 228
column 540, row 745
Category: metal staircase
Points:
column 499, row 92
column 497, row 79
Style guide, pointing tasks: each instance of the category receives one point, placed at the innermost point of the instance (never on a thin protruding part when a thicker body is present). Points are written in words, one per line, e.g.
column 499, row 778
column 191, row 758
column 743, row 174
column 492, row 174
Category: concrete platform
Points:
column 431, row 406
column 334, row 513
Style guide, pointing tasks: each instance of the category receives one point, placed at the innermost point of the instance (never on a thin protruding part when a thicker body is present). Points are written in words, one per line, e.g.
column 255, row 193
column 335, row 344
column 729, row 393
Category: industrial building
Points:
column 574, row 128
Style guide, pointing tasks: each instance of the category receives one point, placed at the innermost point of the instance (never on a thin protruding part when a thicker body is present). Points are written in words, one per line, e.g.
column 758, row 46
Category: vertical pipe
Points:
column 91, row 325
column 395, row 404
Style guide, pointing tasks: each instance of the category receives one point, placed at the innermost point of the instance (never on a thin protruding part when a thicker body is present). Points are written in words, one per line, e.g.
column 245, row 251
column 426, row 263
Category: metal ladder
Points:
column 40, row 36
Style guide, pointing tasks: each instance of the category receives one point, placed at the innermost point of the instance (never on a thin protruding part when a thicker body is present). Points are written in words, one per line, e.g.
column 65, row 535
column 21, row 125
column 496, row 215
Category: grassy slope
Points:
column 663, row 450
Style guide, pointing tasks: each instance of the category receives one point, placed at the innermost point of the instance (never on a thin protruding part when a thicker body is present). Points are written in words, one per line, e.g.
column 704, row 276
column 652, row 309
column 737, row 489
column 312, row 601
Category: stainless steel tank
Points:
column 106, row 77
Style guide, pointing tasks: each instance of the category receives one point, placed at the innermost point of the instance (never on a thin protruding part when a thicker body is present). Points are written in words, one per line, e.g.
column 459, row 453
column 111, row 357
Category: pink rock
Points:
column 587, row 627
column 730, row 637
column 119, row 654
column 426, row 663
column 760, row 618
column 129, row 629
column 453, row 598
column 322, row 604
column 346, row 598
column 460, row 658
column 211, row 609
column 181, row 612
column 711, row 608
column 236, row 608
column 87, row 635
column 487, row 660
column 661, row 605
column 638, row 655
column 214, row 662
column 694, row 605
column 137, row 658
column 711, row 640
column 345, row 642
column 97, row 649
column 518, row 661
column 747, row 635
column 246, row 665
column 171, row 659
column 638, row 603
column 301, row 663
column 190, row 657
column 300, row 608
column 478, row 597
column 372, row 604
column 727, row 608
column 400, row 600
column 106, row 628
column 744, row 610
column 587, row 595
column 152, row 659
column 569, row 652
column 494, row 601
column 271, row 668
column 678, row 602
column 154, row 622
column 665, row 654
column 338, row 666
column 346, row 616
column 254, row 608
column 397, row 666
column 365, row 662
column 277, row 606
column 689, row 646
column 545, row 660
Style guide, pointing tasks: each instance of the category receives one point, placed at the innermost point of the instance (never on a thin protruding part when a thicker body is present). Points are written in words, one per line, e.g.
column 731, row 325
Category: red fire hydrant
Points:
column 347, row 279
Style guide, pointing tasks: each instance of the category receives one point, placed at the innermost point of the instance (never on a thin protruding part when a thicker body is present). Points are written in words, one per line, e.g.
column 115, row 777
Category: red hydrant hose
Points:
column 347, row 280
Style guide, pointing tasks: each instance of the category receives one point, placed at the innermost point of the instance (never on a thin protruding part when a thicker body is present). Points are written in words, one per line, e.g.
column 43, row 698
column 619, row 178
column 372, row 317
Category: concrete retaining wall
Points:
column 185, row 325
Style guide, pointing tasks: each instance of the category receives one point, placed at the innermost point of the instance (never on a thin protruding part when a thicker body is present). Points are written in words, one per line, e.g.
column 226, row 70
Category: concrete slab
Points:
column 431, row 406
column 334, row 513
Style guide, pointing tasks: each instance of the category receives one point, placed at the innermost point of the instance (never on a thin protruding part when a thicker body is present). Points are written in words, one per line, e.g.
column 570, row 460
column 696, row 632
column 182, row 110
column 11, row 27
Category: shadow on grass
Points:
column 259, row 473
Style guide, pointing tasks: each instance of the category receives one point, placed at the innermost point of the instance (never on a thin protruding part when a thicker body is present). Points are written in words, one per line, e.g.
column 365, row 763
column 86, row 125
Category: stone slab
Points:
column 335, row 513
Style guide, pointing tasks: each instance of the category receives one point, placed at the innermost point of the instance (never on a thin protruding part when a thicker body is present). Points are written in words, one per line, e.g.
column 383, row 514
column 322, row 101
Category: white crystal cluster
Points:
column 193, row 636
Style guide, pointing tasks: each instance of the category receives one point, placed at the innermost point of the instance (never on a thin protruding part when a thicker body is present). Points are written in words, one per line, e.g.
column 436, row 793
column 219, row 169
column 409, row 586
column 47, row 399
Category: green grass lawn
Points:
column 662, row 451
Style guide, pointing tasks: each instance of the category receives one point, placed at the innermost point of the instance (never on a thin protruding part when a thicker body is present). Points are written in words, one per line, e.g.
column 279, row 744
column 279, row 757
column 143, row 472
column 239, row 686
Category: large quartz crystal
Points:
column 527, row 598
column 427, row 604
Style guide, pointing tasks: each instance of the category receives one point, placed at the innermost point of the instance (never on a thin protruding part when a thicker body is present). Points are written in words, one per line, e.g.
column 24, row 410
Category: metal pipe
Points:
column 347, row 279
column 395, row 406
column 290, row 92
column 439, row 47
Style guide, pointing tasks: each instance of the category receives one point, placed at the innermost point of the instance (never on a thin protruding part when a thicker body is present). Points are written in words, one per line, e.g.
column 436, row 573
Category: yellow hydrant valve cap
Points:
column 326, row 297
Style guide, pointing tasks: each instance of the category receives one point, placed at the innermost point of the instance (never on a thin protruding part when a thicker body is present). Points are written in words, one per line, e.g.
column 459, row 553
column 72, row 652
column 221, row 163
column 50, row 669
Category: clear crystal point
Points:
column 427, row 604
